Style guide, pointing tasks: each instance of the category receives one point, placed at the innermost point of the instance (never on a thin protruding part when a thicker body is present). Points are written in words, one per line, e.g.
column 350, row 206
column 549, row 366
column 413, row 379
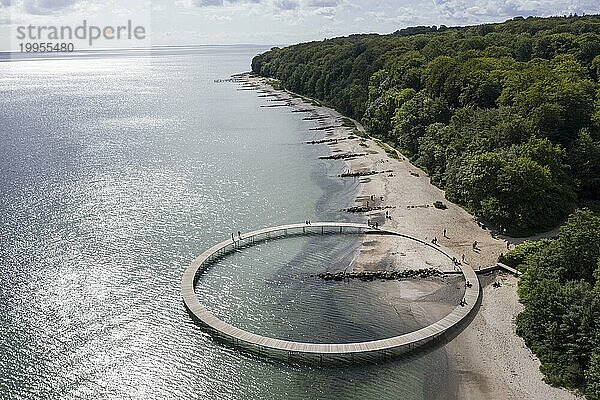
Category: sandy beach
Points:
column 487, row 360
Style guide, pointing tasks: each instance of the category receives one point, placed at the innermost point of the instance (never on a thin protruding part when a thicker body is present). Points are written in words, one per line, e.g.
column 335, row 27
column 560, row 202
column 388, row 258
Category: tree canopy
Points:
column 505, row 117
column 560, row 290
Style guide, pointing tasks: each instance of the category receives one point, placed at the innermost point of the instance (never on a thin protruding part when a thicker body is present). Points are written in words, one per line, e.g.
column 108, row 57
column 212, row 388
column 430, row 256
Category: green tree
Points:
column 378, row 117
column 585, row 161
column 413, row 117
column 524, row 89
column 592, row 376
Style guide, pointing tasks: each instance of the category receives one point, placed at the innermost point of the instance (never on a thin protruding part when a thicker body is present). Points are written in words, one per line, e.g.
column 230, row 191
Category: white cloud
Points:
column 221, row 3
column 324, row 3
column 281, row 21
column 327, row 12
column 204, row 3
column 44, row 7
column 266, row 4
column 474, row 11
column 215, row 17
column 286, row 4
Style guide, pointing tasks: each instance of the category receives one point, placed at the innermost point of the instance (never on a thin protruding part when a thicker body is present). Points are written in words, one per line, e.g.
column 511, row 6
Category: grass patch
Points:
column 393, row 154
column 390, row 151
column 381, row 144
column 347, row 122
column 275, row 84
column 358, row 133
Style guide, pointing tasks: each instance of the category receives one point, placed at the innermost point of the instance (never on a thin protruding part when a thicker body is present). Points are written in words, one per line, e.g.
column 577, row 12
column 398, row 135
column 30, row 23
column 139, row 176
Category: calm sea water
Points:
column 115, row 173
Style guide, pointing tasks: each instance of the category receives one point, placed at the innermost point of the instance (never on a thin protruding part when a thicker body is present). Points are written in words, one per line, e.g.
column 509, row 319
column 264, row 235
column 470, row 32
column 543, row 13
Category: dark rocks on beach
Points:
column 326, row 140
column 342, row 156
column 302, row 110
column 362, row 209
column 364, row 173
column 381, row 275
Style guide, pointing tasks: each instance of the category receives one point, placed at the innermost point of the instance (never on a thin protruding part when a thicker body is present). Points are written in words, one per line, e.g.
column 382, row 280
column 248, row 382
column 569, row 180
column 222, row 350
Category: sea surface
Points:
column 116, row 171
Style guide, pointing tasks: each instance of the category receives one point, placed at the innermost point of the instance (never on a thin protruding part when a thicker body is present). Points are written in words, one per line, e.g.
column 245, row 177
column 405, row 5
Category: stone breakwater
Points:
column 364, row 173
column 381, row 275
column 330, row 140
column 342, row 156
column 364, row 209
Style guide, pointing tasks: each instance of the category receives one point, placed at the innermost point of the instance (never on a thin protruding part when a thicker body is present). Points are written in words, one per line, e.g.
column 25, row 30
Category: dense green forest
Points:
column 505, row 117
column 560, row 290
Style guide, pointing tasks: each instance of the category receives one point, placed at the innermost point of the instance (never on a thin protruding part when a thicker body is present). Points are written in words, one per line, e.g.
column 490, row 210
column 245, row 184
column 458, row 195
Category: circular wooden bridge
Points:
column 319, row 352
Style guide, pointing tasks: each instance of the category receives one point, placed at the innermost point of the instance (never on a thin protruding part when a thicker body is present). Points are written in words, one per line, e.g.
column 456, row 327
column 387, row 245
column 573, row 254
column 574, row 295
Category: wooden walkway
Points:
column 498, row 266
column 300, row 350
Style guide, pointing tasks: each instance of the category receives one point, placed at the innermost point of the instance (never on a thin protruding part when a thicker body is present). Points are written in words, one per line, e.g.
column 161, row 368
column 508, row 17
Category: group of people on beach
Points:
column 445, row 233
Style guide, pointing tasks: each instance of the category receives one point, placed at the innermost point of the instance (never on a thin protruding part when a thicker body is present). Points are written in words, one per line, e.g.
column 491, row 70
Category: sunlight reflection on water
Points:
column 115, row 175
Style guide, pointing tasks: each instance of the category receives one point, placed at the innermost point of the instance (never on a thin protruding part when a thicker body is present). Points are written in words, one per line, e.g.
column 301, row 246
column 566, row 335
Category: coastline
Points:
column 486, row 359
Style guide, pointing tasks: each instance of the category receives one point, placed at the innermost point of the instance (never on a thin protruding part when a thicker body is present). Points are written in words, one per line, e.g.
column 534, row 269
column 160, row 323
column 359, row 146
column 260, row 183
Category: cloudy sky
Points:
column 273, row 22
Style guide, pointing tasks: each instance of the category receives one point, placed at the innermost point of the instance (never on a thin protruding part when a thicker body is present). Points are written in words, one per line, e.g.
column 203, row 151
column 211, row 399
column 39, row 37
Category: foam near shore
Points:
column 487, row 359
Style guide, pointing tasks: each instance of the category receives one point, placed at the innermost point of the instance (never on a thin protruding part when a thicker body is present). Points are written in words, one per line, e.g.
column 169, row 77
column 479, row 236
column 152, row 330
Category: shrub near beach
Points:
column 560, row 290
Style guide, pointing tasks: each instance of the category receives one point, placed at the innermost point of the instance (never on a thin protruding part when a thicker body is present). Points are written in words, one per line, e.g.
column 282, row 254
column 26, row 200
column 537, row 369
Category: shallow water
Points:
column 116, row 172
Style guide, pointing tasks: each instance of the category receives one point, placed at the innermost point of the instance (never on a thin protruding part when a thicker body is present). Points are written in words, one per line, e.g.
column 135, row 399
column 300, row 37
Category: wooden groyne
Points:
column 343, row 156
column 324, row 128
column 496, row 267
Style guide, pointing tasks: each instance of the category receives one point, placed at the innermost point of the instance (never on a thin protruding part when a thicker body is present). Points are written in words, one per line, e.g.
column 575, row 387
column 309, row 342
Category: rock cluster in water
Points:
column 363, row 209
column 383, row 275
column 363, row 173
column 327, row 140
column 342, row 156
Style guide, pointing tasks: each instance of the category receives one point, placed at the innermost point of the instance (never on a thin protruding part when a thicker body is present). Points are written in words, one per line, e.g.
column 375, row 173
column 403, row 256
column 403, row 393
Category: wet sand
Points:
column 487, row 360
